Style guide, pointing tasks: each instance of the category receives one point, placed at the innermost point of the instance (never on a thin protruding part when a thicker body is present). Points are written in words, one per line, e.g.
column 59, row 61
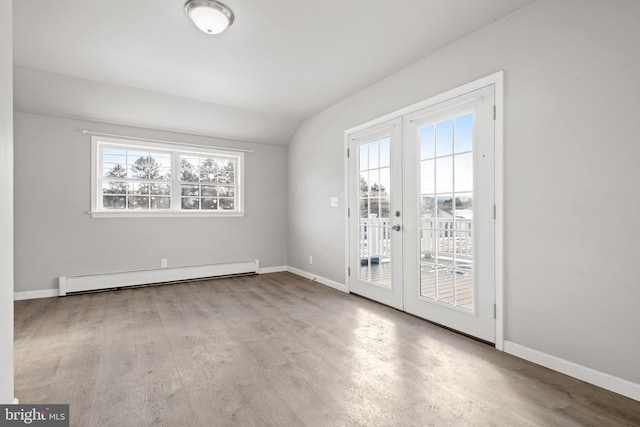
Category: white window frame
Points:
column 97, row 211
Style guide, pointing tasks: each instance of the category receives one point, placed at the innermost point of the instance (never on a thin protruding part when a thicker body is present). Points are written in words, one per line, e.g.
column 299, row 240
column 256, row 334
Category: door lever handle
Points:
column 397, row 227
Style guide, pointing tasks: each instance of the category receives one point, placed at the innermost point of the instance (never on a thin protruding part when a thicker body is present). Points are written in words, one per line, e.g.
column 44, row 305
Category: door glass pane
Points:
column 375, row 212
column 464, row 172
column 464, row 133
column 427, row 142
column 444, row 138
column 444, row 174
column 427, row 177
column 385, row 152
column 446, row 212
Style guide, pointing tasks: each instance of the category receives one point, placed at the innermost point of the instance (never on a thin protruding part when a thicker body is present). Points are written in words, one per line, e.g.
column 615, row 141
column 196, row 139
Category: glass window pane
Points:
column 114, row 170
column 427, row 142
column 132, row 155
column 373, row 155
column 385, row 152
column 190, row 190
column 385, row 182
column 161, row 189
column 189, row 169
column 227, row 204
column 209, row 203
column 190, row 203
column 208, row 170
column 427, row 177
column 143, row 167
column 138, row 202
column 138, row 188
column 444, row 284
column 444, row 175
column 114, row 187
column 226, row 191
column 464, row 211
column 374, row 207
column 464, row 286
column 464, row 247
column 364, row 157
column 428, row 243
column 163, row 173
column 444, row 207
column 427, row 209
column 428, row 280
column 113, row 151
column 385, row 208
column 444, row 138
column 162, row 159
column 364, row 184
column 209, row 190
column 374, row 183
column 364, row 208
column 160, row 202
column 226, row 177
column 464, row 172
column 464, row 133
column 114, row 202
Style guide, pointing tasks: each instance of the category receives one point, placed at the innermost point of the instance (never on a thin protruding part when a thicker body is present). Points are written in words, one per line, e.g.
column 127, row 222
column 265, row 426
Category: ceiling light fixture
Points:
column 210, row 16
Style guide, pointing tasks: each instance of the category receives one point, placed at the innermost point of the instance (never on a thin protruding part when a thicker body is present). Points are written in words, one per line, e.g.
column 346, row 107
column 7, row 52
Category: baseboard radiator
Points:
column 94, row 282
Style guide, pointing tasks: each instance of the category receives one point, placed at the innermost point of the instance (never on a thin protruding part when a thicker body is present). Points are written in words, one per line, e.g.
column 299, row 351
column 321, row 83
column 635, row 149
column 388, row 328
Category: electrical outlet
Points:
column 310, row 259
column 163, row 263
column 334, row 202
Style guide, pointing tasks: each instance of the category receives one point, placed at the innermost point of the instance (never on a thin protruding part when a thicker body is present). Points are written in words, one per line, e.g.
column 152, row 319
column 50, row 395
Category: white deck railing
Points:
column 442, row 236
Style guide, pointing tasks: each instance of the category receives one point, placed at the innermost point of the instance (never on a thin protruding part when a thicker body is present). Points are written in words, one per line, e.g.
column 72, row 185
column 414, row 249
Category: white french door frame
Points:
column 497, row 80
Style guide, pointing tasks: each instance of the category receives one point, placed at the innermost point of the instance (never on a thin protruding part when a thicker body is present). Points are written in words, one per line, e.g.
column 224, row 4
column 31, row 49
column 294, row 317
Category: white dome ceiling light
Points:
column 209, row 16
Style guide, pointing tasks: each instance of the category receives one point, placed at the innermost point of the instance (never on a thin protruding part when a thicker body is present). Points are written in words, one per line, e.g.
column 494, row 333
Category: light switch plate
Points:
column 334, row 202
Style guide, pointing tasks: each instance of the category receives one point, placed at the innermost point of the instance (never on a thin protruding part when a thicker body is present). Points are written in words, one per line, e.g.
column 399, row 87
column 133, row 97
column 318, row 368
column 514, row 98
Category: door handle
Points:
column 397, row 227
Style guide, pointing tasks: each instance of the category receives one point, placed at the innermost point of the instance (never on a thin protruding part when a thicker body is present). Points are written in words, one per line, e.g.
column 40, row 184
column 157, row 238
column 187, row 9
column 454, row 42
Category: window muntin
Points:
column 133, row 177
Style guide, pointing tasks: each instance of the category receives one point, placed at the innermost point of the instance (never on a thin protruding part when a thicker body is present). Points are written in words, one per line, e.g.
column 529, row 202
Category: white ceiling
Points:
column 284, row 58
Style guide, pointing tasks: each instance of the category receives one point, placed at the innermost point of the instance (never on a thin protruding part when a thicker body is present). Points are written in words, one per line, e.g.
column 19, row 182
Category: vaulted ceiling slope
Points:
column 279, row 63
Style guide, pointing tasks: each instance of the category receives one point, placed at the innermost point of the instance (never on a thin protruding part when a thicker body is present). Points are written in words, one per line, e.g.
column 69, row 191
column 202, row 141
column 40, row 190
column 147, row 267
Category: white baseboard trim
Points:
column 161, row 275
column 327, row 282
column 48, row 293
column 277, row 269
column 42, row 293
column 591, row 376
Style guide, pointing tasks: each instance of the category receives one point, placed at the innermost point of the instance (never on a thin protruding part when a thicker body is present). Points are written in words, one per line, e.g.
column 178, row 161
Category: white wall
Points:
column 571, row 173
column 56, row 95
column 55, row 236
column 6, row 205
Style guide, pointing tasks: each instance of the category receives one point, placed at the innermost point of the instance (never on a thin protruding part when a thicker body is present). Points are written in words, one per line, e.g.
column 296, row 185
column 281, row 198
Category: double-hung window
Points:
column 135, row 178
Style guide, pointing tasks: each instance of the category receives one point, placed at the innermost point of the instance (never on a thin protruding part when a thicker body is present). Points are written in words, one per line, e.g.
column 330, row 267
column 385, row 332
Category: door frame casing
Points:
column 496, row 79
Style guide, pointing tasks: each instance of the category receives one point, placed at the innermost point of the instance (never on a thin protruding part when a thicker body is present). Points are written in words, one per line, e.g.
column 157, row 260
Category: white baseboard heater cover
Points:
column 93, row 282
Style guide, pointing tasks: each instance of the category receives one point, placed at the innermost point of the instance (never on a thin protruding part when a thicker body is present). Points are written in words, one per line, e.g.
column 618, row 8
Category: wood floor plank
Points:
column 277, row 349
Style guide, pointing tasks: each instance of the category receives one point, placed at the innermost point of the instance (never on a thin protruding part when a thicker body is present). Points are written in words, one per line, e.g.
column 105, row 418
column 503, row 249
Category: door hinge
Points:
column 495, row 310
column 349, row 271
column 349, row 212
column 494, row 212
column 494, row 112
column 348, row 152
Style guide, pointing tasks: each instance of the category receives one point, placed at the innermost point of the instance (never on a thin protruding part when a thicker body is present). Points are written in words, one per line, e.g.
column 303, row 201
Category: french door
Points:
column 375, row 205
column 422, row 213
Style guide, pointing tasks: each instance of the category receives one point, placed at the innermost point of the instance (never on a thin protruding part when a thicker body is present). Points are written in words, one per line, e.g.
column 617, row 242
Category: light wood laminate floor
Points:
column 277, row 349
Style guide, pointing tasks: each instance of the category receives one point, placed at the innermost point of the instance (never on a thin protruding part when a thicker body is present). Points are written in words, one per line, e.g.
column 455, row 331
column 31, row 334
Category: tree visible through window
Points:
column 152, row 178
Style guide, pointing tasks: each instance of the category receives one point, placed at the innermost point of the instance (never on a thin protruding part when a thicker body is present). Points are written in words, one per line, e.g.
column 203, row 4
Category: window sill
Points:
column 166, row 214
